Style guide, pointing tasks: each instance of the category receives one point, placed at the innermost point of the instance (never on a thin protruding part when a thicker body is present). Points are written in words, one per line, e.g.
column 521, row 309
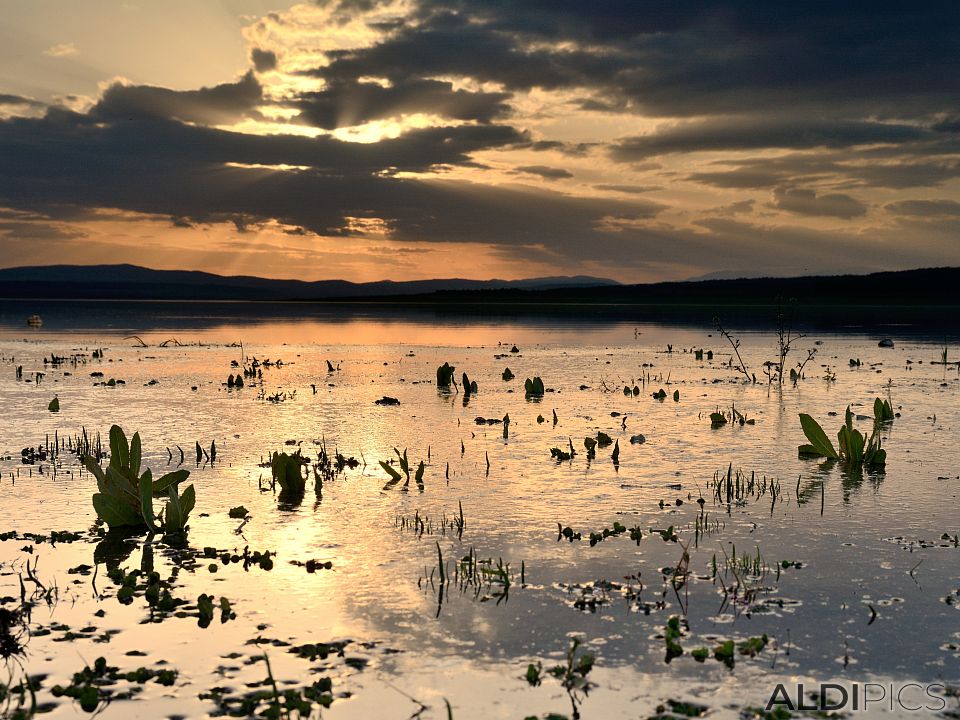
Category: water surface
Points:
column 869, row 591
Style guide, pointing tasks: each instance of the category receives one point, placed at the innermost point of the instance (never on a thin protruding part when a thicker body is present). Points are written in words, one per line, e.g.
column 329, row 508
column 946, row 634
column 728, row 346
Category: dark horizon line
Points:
column 913, row 288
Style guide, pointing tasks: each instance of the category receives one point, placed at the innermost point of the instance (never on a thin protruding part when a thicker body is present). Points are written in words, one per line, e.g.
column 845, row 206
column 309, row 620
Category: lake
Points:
column 377, row 598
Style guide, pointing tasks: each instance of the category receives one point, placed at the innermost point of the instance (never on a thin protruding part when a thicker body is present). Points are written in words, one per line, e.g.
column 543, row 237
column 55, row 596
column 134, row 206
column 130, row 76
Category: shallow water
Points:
column 874, row 541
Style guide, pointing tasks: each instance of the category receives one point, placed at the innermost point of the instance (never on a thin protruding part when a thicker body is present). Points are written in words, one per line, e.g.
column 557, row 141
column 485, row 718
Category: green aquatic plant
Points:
column 507, row 375
column 572, row 676
column 724, row 653
column 205, row 610
column 468, row 386
column 94, row 686
column 533, row 387
column 854, row 449
column 671, row 638
column 125, row 497
column 54, row 405
column 882, row 411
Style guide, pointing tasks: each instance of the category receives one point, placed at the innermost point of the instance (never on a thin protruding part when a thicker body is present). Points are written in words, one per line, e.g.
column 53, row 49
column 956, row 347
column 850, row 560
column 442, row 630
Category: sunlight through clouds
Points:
column 618, row 136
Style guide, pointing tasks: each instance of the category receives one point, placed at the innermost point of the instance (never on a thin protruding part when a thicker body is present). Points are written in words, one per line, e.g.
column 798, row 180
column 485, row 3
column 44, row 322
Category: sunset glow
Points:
column 377, row 140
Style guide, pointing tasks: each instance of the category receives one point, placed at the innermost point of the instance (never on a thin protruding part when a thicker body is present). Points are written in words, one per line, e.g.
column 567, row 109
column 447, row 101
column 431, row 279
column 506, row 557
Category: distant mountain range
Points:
column 927, row 287
column 131, row 282
column 930, row 287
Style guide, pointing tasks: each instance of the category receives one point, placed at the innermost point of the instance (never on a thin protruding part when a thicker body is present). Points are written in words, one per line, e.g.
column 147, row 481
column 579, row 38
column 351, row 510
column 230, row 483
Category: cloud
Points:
column 629, row 189
column 220, row 104
column 804, row 201
column 748, row 133
column 909, row 167
column 547, row 173
column 198, row 175
column 736, row 208
column 61, row 50
column 925, row 208
column 263, row 60
column 64, row 143
column 6, row 99
column 717, row 58
column 831, row 109
column 349, row 103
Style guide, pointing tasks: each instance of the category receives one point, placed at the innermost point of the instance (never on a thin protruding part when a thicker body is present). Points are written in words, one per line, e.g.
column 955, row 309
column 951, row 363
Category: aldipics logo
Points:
column 911, row 697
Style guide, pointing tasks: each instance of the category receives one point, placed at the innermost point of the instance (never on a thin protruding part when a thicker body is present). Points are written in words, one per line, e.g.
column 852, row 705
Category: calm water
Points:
column 863, row 544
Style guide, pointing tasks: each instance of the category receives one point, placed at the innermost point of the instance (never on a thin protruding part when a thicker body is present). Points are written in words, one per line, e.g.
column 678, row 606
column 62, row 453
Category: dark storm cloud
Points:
column 546, row 172
column 446, row 44
column 263, row 60
column 856, row 95
column 219, row 104
column 804, row 201
column 163, row 167
column 348, row 103
column 740, row 179
column 76, row 143
column 856, row 59
column 747, row 133
column 853, row 169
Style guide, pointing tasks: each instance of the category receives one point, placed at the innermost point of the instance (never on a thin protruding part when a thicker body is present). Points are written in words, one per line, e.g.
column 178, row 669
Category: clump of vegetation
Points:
column 445, row 375
column 404, row 463
column 125, row 497
column 883, row 411
column 671, row 638
column 507, row 375
column 560, row 455
column 533, row 387
column 287, row 471
column 572, row 675
column 721, row 418
column 267, row 700
column 205, row 608
column 591, row 445
column 92, row 685
column 468, row 386
column 854, row 449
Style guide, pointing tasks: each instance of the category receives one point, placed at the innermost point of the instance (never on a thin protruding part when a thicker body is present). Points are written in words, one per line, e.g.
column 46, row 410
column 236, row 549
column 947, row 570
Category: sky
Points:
column 412, row 139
